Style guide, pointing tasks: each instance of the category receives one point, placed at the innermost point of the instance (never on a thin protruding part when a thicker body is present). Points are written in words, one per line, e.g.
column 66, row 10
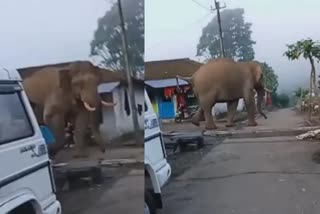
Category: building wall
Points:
column 107, row 128
column 124, row 123
column 116, row 122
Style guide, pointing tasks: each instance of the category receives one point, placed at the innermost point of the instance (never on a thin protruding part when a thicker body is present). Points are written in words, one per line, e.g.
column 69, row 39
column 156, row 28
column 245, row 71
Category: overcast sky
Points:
column 35, row 32
column 173, row 29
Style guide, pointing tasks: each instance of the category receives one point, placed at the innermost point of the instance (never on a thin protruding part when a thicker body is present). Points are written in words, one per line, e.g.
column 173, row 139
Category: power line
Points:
column 182, row 29
column 201, row 5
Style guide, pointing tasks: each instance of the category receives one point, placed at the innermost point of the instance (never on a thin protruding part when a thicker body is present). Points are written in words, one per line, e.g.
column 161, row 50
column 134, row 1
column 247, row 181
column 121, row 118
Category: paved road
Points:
column 124, row 196
column 267, row 175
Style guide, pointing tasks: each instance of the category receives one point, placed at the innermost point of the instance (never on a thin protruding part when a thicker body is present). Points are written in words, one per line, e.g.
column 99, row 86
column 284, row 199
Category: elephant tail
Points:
column 187, row 79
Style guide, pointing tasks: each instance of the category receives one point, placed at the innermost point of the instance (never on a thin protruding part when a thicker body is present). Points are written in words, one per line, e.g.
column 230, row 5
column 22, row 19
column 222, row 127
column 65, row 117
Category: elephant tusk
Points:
column 107, row 104
column 88, row 107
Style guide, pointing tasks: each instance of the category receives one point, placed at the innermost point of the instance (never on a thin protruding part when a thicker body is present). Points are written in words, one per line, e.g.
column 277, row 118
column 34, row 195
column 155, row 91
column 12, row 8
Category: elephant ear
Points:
column 64, row 79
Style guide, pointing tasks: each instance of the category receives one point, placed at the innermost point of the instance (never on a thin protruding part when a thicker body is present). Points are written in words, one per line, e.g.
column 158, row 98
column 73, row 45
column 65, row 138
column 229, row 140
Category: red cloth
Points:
column 269, row 100
column 168, row 92
column 181, row 100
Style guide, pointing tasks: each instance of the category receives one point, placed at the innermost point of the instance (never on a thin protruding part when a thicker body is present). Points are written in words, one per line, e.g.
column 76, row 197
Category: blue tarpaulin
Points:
column 47, row 134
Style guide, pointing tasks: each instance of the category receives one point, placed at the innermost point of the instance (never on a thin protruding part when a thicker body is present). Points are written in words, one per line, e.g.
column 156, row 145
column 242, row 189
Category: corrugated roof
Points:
column 165, row 83
column 167, row 69
column 107, row 87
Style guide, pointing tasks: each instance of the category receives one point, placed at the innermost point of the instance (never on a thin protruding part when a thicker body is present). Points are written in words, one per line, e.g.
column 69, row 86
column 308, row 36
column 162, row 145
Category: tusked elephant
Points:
column 224, row 80
column 61, row 95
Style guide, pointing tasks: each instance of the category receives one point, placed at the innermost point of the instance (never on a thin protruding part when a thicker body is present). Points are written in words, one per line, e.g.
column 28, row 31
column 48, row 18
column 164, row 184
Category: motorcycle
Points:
column 181, row 113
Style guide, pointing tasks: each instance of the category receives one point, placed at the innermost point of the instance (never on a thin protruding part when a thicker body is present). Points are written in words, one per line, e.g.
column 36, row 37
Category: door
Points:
column 166, row 109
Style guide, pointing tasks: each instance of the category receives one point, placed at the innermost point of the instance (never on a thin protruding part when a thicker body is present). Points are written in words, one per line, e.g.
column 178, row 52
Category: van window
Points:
column 14, row 121
column 145, row 107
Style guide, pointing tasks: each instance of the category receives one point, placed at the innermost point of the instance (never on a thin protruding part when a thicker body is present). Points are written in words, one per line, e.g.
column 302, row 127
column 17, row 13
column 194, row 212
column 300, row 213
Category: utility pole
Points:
column 217, row 7
column 129, row 76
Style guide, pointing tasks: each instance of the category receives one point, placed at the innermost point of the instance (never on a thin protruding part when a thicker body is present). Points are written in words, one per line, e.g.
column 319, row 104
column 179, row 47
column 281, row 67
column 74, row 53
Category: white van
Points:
column 157, row 169
column 26, row 179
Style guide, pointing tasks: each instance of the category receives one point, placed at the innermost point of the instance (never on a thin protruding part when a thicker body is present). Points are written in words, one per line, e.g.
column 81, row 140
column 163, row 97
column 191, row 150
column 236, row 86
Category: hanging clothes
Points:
column 168, row 92
column 269, row 100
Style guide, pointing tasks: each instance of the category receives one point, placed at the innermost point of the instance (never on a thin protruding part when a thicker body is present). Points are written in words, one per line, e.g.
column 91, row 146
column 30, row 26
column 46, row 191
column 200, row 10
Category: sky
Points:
column 37, row 32
column 173, row 29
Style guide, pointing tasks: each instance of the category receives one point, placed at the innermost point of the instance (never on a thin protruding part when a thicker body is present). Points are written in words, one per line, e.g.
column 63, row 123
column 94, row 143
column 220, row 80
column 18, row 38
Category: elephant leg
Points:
column 56, row 125
column 232, row 109
column 98, row 138
column 250, row 106
column 208, row 116
column 80, row 128
column 197, row 117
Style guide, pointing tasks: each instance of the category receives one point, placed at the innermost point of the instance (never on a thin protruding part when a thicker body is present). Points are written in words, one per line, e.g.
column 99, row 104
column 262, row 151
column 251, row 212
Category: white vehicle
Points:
column 26, row 179
column 157, row 169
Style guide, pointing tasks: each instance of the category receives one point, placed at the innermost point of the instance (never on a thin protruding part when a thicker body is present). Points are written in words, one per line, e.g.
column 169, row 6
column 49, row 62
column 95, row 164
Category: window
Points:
column 14, row 121
column 126, row 103
column 145, row 107
column 140, row 109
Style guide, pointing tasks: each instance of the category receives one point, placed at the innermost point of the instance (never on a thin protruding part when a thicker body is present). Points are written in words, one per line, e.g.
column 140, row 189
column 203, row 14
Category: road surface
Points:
column 247, row 176
column 122, row 196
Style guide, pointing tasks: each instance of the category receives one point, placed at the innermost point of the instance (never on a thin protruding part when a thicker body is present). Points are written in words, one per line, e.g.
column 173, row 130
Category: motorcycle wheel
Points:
column 177, row 119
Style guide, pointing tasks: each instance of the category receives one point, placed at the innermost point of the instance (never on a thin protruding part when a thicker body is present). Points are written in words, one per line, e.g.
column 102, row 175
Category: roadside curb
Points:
column 246, row 133
column 98, row 163
column 259, row 133
column 86, row 173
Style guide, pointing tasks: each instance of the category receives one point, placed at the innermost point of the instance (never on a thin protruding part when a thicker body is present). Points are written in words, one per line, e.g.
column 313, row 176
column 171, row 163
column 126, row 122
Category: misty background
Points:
column 173, row 29
column 37, row 32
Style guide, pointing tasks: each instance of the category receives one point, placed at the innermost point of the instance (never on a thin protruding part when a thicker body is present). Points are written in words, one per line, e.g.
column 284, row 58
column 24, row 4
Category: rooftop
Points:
column 168, row 69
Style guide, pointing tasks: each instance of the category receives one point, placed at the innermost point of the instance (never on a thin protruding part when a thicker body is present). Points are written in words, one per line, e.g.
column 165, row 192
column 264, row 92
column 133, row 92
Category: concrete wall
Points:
column 123, row 123
column 108, row 128
column 222, row 107
column 116, row 120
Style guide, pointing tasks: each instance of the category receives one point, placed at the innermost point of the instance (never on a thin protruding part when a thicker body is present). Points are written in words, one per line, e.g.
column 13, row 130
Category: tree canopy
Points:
column 107, row 43
column 310, row 50
column 305, row 47
column 236, row 37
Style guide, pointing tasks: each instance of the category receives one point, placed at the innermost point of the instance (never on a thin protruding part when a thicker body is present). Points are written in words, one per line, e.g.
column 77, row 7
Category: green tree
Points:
column 310, row 50
column 270, row 78
column 301, row 92
column 236, row 37
column 283, row 100
column 107, row 43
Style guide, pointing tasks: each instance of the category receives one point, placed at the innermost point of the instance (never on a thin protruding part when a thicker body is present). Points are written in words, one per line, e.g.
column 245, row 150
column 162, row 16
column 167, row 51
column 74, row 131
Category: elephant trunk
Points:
column 260, row 99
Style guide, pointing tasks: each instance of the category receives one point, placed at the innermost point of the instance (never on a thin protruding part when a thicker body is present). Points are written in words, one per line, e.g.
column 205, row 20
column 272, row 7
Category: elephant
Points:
column 61, row 95
column 225, row 80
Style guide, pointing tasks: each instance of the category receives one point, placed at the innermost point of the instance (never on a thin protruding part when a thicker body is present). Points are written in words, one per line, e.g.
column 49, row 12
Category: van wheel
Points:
column 149, row 203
